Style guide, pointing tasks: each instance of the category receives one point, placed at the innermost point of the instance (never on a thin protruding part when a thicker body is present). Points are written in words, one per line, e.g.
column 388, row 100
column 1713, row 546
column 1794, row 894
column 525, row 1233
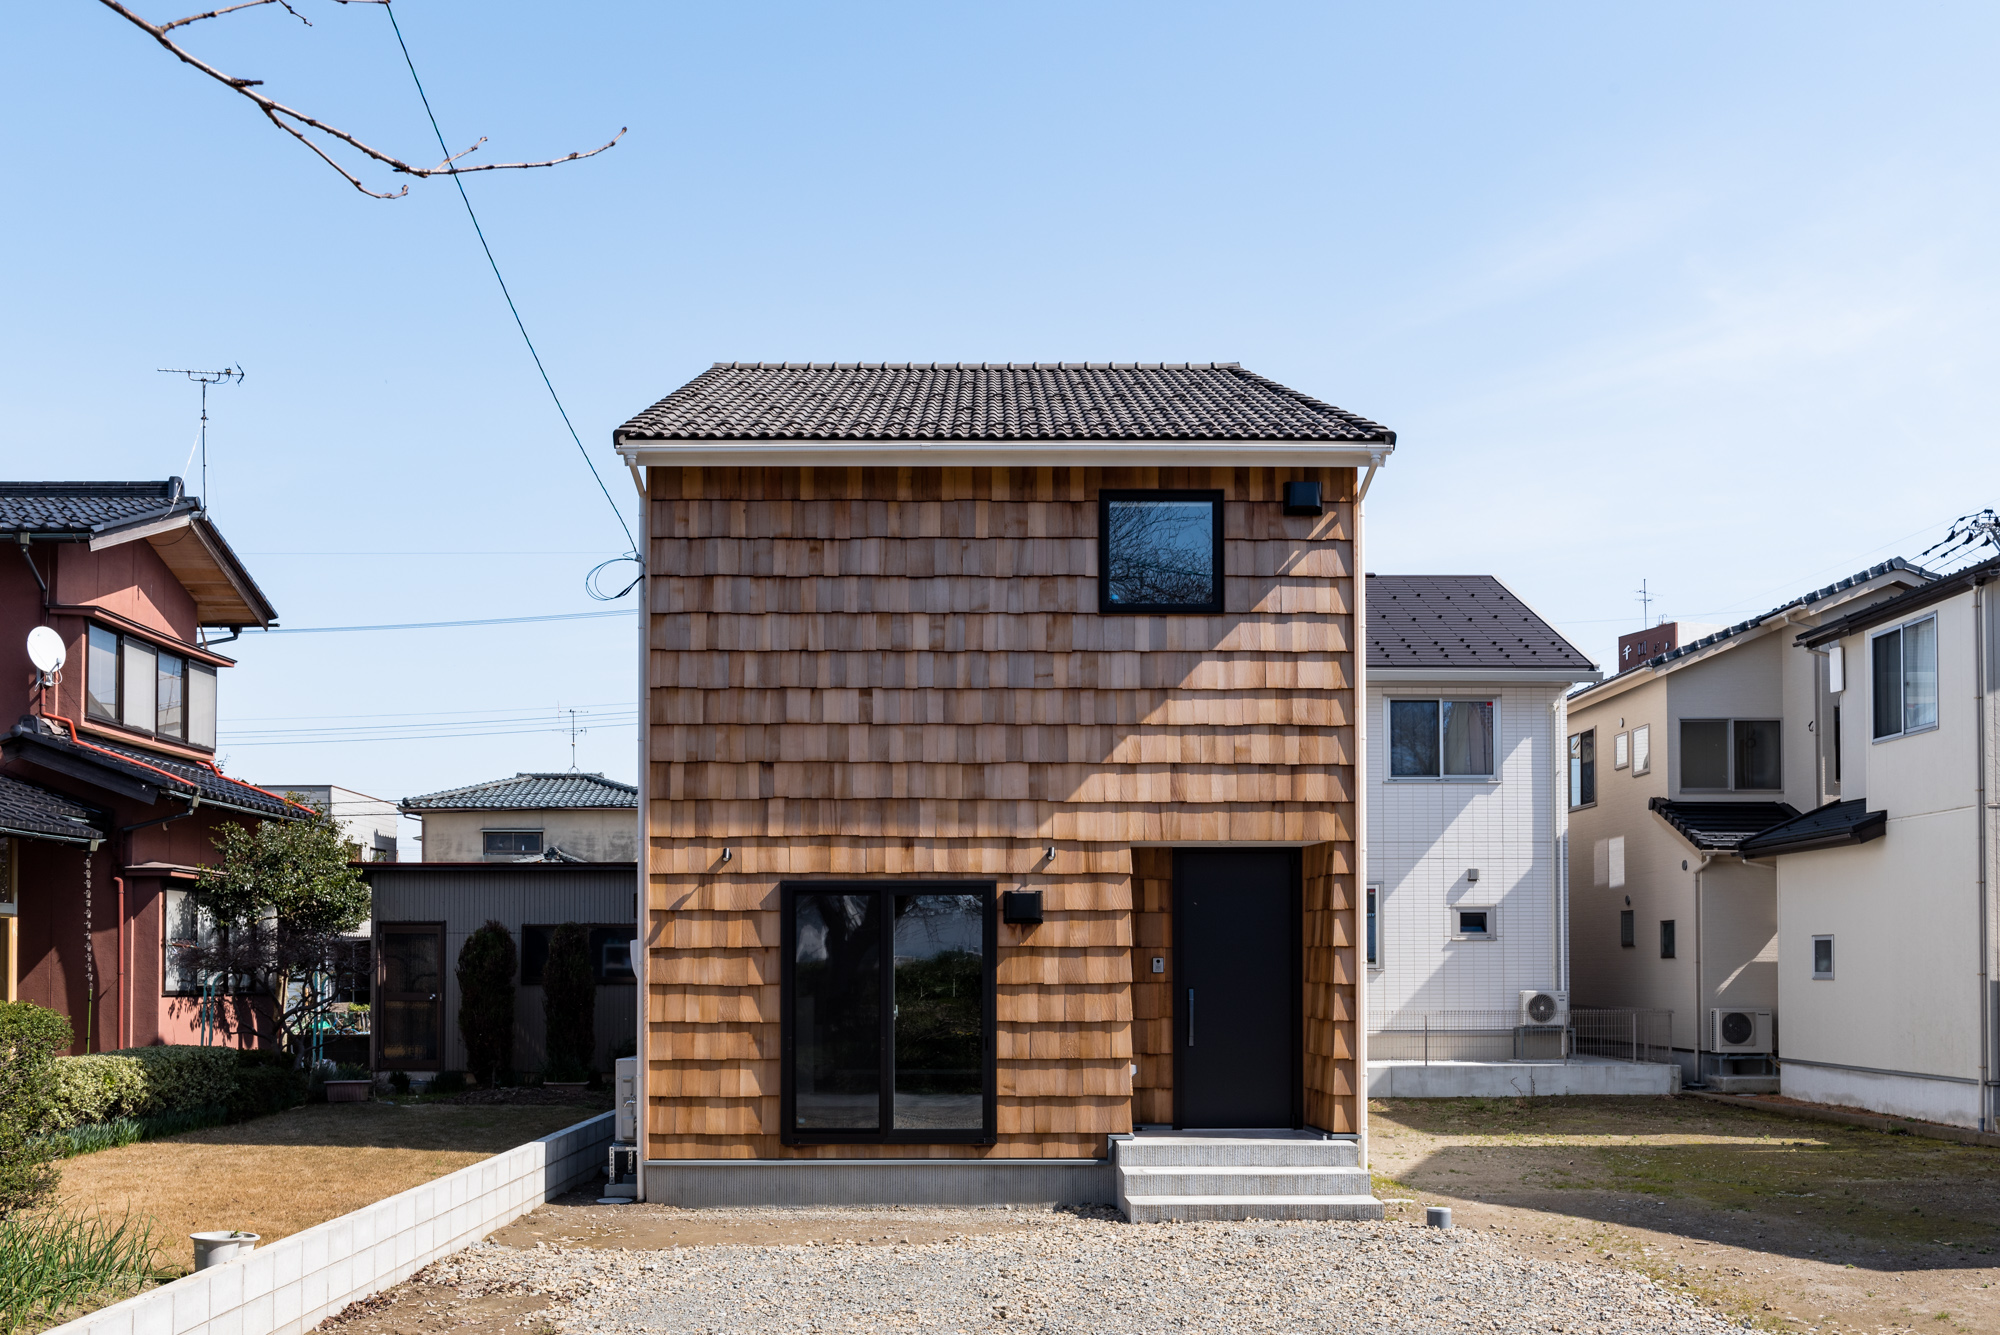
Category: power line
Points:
column 535, row 710
column 456, row 180
column 443, row 625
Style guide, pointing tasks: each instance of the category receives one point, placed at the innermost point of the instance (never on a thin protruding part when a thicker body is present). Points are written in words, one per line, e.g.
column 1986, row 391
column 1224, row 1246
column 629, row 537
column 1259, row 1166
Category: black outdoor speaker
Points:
column 1021, row 906
column 1302, row 498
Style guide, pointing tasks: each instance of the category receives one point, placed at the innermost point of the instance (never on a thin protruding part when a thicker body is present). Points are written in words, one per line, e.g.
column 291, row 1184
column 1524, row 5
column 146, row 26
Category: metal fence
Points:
column 1493, row 1035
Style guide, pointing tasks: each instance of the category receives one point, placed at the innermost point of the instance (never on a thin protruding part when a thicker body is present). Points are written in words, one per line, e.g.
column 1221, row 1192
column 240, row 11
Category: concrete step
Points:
column 1224, row 1152
column 1256, row 1180
column 1161, row 1209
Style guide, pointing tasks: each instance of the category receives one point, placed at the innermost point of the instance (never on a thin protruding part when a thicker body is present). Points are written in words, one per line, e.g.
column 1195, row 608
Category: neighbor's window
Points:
column 1642, row 750
column 101, row 676
column 1627, row 929
column 1374, row 949
column 1160, row 551
column 1905, row 678
column 1666, row 938
column 1476, row 924
column 1583, row 769
column 1621, row 750
column 889, row 1012
column 1431, row 739
column 609, row 948
column 510, row 843
column 188, row 926
column 1724, row 755
column 1822, row 957
column 144, row 687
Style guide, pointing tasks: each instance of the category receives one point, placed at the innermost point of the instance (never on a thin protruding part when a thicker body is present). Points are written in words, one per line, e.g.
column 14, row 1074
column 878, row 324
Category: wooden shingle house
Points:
column 998, row 782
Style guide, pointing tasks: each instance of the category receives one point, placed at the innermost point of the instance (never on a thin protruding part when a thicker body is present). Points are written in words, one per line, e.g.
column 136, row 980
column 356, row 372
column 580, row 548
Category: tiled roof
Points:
column 80, row 507
column 1721, row 826
column 1894, row 563
column 1940, row 588
column 181, row 778
column 530, row 792
column 992, row 401
column 34, row 812
column 1461, row 621
column 1834, row 825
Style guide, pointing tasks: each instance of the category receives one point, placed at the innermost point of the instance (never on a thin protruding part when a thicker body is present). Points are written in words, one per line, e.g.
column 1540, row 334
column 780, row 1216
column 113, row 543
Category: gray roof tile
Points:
column 530, row 792
column 993, row 401
column 1721, row 825
column 30, row 810
column 81, row 507
column 169, row 773
column 1460, row 621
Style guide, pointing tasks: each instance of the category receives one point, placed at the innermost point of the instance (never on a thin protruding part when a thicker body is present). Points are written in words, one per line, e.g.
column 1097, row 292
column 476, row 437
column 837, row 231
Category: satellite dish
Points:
column 45, row 649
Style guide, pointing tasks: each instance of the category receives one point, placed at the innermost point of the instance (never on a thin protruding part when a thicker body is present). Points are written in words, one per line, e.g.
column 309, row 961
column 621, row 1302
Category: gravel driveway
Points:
column 1079, row 1272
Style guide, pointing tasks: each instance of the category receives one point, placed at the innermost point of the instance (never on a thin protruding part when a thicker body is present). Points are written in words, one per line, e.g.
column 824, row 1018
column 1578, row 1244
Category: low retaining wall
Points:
column 296, row 1282
column 738, row 1182
column 1511, row 1080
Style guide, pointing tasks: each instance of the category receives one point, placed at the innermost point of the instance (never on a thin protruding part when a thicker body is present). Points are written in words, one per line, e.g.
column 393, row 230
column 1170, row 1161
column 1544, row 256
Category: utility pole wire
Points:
column 630, row 541
column 291, row 120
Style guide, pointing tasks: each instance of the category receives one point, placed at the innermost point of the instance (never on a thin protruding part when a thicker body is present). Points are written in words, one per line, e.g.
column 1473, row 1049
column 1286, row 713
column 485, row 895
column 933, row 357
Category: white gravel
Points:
column 1085, row 1273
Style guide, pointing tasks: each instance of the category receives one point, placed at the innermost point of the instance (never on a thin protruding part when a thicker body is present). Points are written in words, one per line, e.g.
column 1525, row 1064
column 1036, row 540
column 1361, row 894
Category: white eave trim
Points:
column 117, row 537
column 1548, row 676
column 1000, row 453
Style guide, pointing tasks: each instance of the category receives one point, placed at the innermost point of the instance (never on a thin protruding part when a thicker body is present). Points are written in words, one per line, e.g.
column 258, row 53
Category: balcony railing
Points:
column 1600, row 1033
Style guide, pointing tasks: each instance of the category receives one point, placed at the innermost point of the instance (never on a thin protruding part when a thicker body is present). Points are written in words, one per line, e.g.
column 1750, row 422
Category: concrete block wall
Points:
column 295, row 1283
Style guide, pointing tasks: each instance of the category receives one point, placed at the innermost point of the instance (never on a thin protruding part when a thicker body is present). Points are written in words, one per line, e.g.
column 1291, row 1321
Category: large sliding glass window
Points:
column 888, row 1015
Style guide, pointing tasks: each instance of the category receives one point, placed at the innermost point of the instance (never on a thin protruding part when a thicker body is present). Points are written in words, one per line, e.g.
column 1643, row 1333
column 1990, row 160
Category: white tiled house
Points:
column 1465, row 822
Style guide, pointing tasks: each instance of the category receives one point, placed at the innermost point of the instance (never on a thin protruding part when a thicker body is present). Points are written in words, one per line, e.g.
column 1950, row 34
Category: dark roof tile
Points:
column 1721, row 826
column 81, row 507
column 172, row 774
column 1835, row 825
column 992, row 401
column 31, row 811
column 531, row 792
column 1460, row 621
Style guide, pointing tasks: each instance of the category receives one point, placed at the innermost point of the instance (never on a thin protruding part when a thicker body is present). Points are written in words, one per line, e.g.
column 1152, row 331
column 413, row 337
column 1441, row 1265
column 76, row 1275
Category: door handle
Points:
column 1190, row 1017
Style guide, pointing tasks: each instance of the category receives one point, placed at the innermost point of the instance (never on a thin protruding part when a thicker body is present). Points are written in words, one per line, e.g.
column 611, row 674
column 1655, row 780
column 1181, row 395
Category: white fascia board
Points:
column 117, row 537
column 1453, row 676
column 1000, row 453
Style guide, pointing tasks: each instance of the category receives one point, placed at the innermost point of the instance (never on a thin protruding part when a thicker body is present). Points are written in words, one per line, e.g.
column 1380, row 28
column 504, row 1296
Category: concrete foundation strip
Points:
column 297, row 1282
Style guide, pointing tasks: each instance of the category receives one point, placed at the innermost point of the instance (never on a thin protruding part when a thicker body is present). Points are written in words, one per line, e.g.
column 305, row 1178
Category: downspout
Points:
column 1700, row 997
column 26, row 556
column 1358, row 573
column 643, row 965
column 1979, row 777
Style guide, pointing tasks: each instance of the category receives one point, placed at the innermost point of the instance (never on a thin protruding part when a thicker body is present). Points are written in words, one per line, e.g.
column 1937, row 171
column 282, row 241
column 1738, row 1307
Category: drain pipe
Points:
column 1979, row 669
column 1700, row 997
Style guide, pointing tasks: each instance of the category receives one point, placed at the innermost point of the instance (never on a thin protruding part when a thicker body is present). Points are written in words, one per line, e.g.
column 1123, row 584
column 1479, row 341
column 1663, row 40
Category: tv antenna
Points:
column 227, row 375
column 1645, row 598
column 573, row 731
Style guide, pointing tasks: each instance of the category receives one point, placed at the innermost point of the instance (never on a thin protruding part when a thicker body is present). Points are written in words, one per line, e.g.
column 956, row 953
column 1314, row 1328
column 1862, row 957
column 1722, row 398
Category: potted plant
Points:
column 349, row 1084
column 221, row 1245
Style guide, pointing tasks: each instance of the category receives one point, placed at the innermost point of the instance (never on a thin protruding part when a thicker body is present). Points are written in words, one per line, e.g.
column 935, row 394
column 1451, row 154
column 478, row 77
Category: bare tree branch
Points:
column 296, row 123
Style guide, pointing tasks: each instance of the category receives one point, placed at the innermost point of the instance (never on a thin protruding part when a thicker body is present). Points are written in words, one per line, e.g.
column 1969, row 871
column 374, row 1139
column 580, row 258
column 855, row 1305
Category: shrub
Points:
column 139, row 1082
column 486, row 965
column 95, row 1136
column 52, row 1259
column 30, row 1038
column 399, row 1081
column 448, row 1082
column 569, row 1004
column 263, row 1089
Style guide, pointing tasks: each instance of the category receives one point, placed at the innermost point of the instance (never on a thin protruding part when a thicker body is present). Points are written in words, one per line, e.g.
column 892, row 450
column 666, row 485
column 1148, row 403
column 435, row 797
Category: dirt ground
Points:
column 276, row 1175
column 1798, row 1225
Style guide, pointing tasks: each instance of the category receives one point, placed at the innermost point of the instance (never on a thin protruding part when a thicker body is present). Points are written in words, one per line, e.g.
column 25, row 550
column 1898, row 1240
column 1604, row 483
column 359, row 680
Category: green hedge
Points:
column 141, row 1082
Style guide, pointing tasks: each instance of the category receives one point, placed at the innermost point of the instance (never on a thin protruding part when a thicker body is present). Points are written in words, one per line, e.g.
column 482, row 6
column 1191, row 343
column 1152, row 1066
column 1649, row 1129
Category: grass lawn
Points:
column 280, row 1174
column 1794, row 1224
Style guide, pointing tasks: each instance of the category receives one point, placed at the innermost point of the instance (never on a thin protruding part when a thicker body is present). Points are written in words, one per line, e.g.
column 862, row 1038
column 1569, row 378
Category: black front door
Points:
column 1238, row 1023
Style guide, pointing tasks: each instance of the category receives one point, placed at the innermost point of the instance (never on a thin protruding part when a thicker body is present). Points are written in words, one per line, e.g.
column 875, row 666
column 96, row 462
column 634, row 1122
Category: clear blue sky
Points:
column 1703, row 295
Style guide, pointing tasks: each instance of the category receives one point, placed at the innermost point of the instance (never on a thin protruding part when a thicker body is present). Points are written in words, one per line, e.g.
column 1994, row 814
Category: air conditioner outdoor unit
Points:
column 1741, row 1030
column 1543, row 1008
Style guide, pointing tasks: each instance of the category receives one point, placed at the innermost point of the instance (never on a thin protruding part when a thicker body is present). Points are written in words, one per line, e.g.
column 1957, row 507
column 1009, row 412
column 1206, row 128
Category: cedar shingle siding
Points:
column 897, row 672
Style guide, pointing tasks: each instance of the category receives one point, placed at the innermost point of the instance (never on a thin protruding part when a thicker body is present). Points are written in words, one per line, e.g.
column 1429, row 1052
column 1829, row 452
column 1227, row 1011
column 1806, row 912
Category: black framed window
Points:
column 888, row 1011
column 1626, row 930
column 1159, row 551
column 1666, row 938
column 1741, row 755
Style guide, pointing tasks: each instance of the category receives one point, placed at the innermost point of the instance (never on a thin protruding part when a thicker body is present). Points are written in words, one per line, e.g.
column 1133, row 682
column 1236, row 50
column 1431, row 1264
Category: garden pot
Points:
column 219, row 1246
column 349, row 1091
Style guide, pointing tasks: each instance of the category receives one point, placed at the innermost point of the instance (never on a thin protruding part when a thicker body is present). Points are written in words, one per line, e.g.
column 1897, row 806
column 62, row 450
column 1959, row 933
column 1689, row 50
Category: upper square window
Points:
column 1440, row 739
column 1905, row 678
column 1159, row 551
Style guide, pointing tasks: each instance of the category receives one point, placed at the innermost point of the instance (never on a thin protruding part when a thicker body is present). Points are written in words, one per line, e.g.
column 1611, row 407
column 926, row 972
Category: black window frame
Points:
column 885, row 1134
column 1669, row 939
column 1104, row 604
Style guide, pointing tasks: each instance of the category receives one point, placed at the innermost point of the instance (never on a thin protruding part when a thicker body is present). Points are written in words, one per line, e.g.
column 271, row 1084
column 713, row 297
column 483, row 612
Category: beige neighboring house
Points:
column 567, row 817
column 367, row 823
column 1885, row 898
column 1673, row 764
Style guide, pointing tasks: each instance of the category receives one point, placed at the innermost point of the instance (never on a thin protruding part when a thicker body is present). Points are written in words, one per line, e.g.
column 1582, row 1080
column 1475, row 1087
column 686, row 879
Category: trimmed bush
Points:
column 139, row 1082
column 486, row 965
column 569, row 1005
column 261, row 1090
column 30, row 1038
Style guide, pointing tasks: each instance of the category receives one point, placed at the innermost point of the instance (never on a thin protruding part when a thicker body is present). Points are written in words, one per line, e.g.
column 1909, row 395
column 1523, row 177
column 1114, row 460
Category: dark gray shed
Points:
column 423, row 913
